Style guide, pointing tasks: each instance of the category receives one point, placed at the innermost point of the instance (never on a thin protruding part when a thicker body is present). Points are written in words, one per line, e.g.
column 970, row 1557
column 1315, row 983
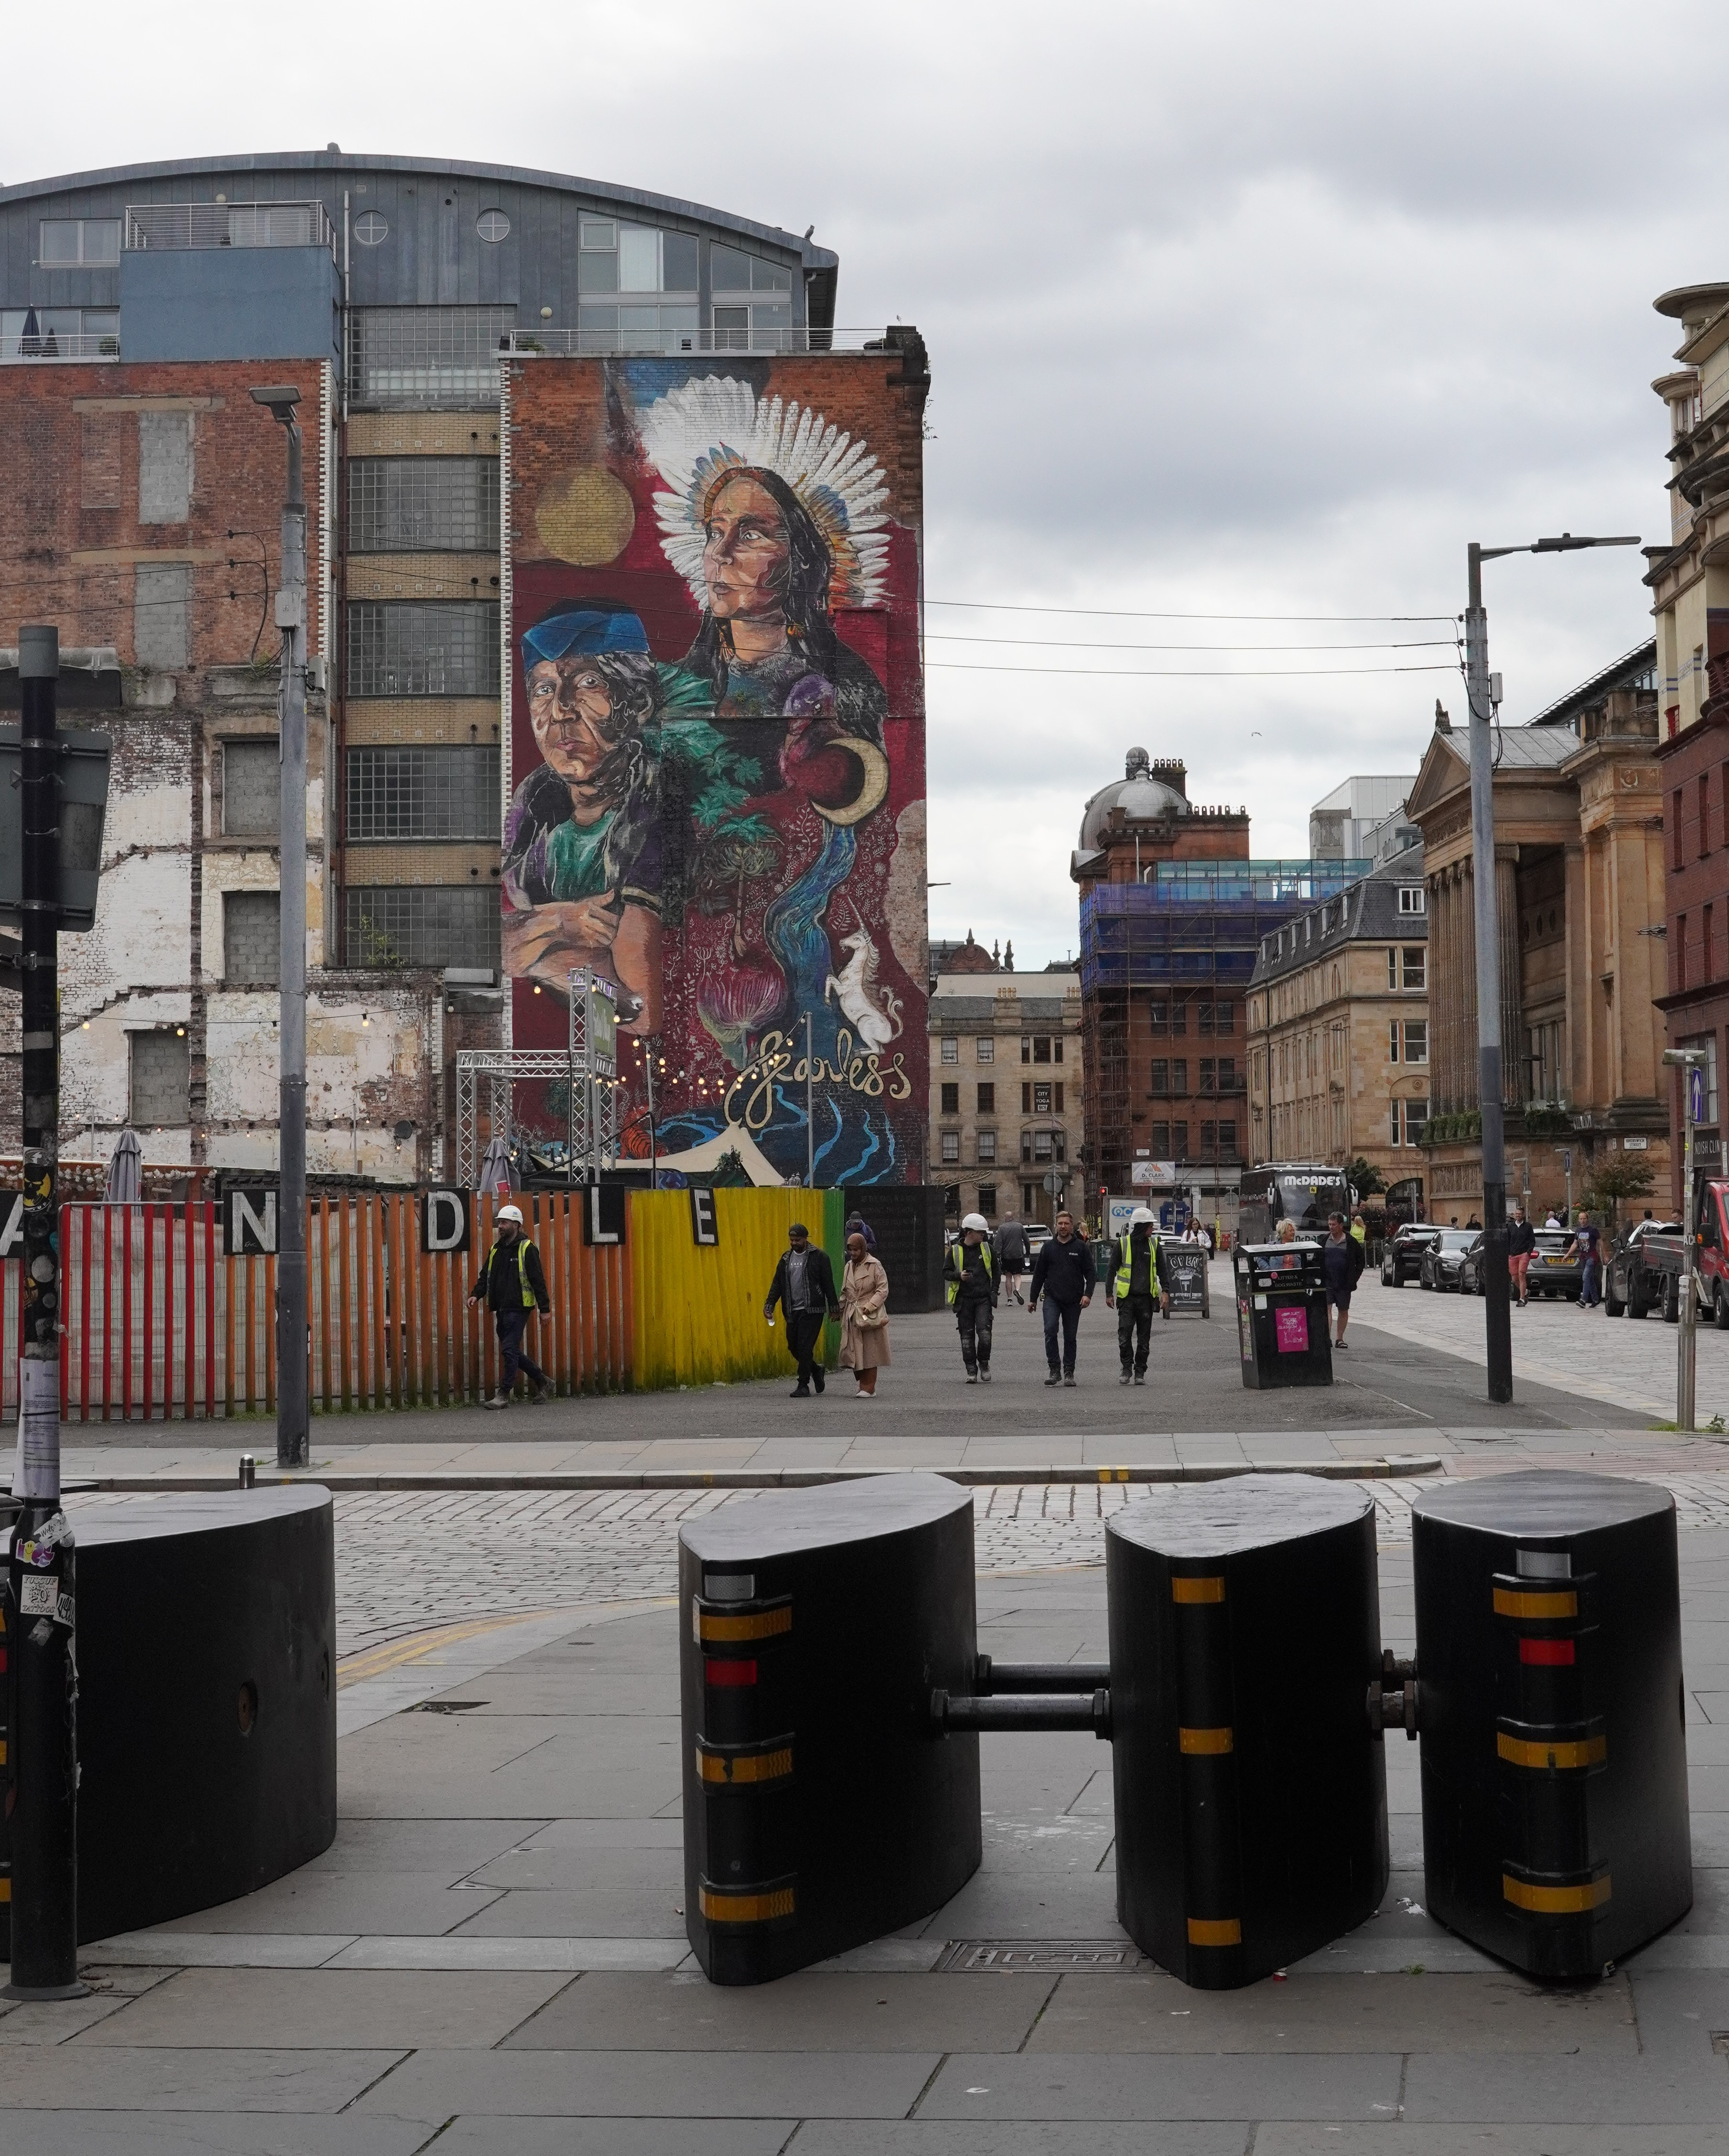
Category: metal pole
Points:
column 649, row 1065
column 810, row 1113
column 42, row 1717
column 1497, row 1308
column 1687, row 1346
column 293, row 1340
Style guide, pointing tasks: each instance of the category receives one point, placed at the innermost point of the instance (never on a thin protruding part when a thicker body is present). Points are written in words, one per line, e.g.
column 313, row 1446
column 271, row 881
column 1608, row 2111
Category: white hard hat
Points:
column 510, row 1213
column 1141, row 1218
column 975, row 1221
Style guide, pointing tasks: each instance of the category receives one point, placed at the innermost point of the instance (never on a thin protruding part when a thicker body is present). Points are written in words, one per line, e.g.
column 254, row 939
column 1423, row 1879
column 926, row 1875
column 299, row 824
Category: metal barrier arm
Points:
column 1022, row 1711
column 989, row 1676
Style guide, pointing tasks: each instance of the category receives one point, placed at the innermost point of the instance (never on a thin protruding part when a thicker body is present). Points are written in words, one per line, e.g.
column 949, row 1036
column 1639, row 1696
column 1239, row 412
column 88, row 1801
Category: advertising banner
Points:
column 716, row 750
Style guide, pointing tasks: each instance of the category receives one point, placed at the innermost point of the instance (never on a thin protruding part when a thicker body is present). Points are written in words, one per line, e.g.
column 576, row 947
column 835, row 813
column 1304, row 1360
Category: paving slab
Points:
column 204, row 2133
column 327, row 2010
column 927, row 2137
column 1285, row 2137
column 616, row 2137
column 113, row 2077
column 1079, row 2085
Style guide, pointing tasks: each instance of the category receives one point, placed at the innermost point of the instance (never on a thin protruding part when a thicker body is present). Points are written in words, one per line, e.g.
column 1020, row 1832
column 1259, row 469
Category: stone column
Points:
column 1514, row 1062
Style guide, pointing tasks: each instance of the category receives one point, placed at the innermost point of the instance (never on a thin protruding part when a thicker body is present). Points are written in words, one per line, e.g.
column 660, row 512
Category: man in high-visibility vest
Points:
column 514, row 1284
column 1142, row 1279
column 970, row 1282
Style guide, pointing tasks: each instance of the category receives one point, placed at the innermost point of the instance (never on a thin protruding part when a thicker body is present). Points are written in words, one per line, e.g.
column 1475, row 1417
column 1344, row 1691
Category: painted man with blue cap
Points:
column 582, row 867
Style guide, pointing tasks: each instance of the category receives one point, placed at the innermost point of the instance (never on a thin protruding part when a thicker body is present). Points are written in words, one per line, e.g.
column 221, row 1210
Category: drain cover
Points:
column 1045, row 1957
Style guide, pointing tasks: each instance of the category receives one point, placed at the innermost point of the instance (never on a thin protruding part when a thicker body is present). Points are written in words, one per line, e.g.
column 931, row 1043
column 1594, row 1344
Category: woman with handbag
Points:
column 864, row 1317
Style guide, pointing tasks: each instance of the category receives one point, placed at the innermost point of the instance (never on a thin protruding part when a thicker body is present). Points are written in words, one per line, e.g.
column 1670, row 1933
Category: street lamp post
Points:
column 293, row 1409
column 1483, row 696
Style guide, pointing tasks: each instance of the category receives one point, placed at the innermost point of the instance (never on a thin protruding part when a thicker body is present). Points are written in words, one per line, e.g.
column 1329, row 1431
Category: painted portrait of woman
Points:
column 582, row 868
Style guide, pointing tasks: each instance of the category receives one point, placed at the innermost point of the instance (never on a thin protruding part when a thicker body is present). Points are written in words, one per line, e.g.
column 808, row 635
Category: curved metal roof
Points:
column 812, row 256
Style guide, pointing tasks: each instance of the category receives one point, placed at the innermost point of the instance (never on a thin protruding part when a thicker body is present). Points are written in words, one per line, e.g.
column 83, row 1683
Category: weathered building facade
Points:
column 1688, row 582
column 1579, row 901
column 1338, row 1030
column 1006, row 1092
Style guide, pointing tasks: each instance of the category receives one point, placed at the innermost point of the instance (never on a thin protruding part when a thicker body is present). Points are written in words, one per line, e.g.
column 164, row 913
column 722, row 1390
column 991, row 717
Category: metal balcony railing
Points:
column 669, row 343
column 54, row 345
column 182, row 225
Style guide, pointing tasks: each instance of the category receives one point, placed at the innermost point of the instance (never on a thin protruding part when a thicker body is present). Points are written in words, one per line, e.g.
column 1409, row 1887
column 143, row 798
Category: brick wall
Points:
column 251, row 936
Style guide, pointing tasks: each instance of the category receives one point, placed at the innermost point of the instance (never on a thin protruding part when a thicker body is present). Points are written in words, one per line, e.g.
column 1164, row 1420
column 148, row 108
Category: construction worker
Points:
column 514, row 1284
column 1143, row 1278
column 969, row 1274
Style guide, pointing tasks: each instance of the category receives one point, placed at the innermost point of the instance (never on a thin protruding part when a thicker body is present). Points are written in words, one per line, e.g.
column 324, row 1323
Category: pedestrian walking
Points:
column 1342, row 1265
column 1586, row 1245
column 1010, row 1244
column 512, row 1283
column 1062, row 1274
column 803, row 1286
column 1554, row 1219
column 970, row 1282
column 1521, row 1242
column 857, row 1225
column 863, row 1316
column 1142, row 1279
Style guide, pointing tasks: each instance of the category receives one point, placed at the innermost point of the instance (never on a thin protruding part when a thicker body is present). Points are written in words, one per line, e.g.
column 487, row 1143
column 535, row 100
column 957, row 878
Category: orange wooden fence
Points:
column 159, row 1323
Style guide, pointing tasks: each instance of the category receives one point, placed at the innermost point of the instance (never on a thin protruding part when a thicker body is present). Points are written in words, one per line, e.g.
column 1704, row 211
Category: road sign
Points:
column 1055, row 1182
column 1566, row 1160
column 1695, row 1093
column 84, row 800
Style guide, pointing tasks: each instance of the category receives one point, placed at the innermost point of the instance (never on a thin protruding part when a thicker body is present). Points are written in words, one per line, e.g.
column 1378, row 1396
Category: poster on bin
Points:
column 1290, row 1330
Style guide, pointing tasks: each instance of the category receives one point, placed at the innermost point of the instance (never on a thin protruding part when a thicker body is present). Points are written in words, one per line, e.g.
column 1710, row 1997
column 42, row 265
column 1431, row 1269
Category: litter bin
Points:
column 1250, row 1785
column 1281, row 1315
column 1555, row 1819
column 821, row 1808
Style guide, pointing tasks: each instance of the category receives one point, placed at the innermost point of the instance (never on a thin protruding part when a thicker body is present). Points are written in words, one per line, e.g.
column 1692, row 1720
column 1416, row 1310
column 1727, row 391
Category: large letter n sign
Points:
column 248, row 1223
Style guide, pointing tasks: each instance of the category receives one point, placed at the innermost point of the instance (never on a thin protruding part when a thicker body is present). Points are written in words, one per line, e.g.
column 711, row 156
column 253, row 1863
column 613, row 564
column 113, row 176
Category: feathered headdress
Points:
column 702, row 430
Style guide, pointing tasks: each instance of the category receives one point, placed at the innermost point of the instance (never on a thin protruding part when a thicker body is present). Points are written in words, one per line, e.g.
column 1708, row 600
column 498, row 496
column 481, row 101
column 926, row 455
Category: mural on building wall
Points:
column 717, row 747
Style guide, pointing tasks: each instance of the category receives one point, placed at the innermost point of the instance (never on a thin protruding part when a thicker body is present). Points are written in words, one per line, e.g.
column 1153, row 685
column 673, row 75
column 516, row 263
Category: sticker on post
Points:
column 1290, row 1330
column 65, row 1613
column 38, row 1595
column 41, row 1632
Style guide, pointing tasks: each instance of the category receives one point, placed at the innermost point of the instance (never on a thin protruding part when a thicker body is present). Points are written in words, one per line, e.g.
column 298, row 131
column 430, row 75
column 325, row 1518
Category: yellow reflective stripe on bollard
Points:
column 752, row 1767
column 764, row 1624
column 1204, row 1740
column 1513, row 1602
column 744, row 1908
column 1214, row 1931
column 1556, row 1901
column 1586, row 1752
column 1197, row 1590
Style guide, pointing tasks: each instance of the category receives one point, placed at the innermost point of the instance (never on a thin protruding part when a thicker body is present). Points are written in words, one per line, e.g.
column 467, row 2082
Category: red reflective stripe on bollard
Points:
column 1547, row 1654
column 729, row 1673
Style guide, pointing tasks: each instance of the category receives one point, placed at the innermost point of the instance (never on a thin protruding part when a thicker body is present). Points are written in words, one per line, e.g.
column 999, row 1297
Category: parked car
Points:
column 1551, row 1272
column 1440, row 1262
column 1402, row 1255
column 1471, row 1267
column 1644, row 1273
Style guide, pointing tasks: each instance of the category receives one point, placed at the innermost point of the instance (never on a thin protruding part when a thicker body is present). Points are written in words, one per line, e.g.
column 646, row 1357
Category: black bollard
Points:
column 1555, row 1820
column 823, row 1805
column 1250, row 1785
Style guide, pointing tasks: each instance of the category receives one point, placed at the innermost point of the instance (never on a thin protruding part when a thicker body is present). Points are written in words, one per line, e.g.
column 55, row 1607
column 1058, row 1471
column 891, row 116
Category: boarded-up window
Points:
column 165, row 467
column 161, row 1080
column 100, row 452
column 251, row 788
column 162, row 610
column 252, row 936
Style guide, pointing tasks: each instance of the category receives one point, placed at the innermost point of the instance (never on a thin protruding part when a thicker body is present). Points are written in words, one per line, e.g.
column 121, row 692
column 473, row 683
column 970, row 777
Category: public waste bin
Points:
column 1250, row 1785
column 1555, row 1819
column 1281, row 1315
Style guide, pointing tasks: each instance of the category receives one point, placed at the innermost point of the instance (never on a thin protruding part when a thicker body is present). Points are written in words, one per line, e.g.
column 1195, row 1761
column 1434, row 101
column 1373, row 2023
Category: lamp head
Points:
column 280, row 398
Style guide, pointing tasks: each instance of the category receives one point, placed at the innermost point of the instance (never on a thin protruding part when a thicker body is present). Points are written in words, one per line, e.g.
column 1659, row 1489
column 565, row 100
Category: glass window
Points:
column 732, row 329
column 1394, row 1139
column 1160, row 1077
column 951, row 1145
column 1416, row 1041
column 1041, row 1100
column 422, row 793
column 987, row 1148
column 1026, row 1050
column 638, row 258
column 596, row 273
column 1042, row 1145
column 987, row 1048
column 1160, row 1137
column 600, row 232
column 1041, row 1048
column 1179, row 1140
column 1060, row 1099
column 950, row 1049
column 446, row 505
column 1415, row 966
column 678, row 260
column 1224, row 1016
column 1392, row 1040
column 425, row 925
column 90, row 243
column 987, row 1197
column 988, row 1099
column 493, row 226
column 1411, row 899
column 1416, row 1120
column 1056, row 1048
column 370, row 227
column 770, row 276
column 728, row 270
column 441, row 648
column 952, row 1099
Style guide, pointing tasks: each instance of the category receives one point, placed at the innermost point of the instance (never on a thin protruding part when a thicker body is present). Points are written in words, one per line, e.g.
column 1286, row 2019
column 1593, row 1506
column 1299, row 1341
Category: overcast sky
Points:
column 1250, row 310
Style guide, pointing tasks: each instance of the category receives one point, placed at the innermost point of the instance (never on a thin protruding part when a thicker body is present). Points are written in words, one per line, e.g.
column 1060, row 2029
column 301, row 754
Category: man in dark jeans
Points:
column 803, row 1286
column 1142, row 1283
column 1341, row 1266
column 1586, row 1245
column 970, row 1276
column 1062, row 1274
column 1010, row 1243
column 513, row 1284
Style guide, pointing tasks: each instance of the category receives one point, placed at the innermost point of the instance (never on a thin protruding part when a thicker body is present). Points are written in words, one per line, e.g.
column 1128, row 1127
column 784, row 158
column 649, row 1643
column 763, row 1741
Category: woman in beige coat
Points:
column 864, row 1317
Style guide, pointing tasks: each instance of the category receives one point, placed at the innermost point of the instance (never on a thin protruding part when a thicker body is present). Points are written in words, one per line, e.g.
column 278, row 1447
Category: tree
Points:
column 1365, row 1180
column 1616, row 1177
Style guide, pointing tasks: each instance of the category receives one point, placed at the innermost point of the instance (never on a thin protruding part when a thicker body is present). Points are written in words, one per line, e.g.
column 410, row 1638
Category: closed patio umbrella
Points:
column 125, row 1172
column 495, row 1165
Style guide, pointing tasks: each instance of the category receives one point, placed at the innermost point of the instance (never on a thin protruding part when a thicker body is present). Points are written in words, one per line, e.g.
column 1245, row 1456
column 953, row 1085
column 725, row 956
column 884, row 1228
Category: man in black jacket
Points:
column 1341, row 1266
column 513, row 1284
column 1062, row 1274
column 1522, row 1243
column 804, row 1288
